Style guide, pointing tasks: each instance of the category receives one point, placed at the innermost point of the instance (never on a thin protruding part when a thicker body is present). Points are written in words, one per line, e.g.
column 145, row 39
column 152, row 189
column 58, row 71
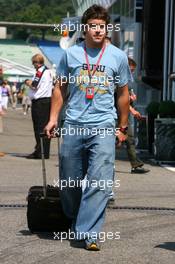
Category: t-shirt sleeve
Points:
column 124, row 72
column 63, row 69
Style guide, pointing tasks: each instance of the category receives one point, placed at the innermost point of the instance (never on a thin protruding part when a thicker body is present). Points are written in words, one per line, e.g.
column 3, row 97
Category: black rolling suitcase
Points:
column 44, row 209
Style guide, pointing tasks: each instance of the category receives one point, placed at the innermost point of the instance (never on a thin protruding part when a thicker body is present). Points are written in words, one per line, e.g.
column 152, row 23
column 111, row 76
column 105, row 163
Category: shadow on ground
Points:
column 167, row 245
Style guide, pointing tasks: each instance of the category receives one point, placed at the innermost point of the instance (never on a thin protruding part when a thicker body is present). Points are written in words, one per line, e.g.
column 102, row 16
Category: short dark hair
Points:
column 95, row 12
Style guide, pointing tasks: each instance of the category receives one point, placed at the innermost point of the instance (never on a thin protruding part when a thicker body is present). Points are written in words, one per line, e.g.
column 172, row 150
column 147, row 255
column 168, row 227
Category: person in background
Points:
column 8, row 87
column 40, row 94
column 1, row 114
column 26, row 102
column 13, row 95
column 1, row 111
column 5, row 93
column 136, row 163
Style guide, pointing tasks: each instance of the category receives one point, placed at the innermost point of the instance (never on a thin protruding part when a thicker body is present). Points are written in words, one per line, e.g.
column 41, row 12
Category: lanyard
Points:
column 38, row 77
column 96, row 65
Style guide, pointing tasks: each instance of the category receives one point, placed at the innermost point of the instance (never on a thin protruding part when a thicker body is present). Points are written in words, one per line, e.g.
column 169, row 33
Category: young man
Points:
column 88, row 145
column 40, row 94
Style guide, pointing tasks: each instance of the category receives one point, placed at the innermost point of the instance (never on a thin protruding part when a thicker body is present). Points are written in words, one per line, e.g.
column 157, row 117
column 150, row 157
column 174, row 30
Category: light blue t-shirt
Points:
column 113, row 72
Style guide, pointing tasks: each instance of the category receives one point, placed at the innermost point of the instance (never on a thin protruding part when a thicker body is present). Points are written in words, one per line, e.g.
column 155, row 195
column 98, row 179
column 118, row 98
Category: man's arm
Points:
column 58, row 97
column 123, row 110
column 123, row 105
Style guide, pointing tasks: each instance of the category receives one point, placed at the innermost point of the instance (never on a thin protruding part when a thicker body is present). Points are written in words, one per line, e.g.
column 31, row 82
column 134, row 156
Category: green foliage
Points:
column 167, row 109
column 34, row 11
column 153, row 109
column 164, row 109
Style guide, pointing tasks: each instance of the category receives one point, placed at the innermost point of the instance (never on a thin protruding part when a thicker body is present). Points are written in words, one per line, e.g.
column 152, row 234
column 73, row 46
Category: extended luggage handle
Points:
column 42, row 136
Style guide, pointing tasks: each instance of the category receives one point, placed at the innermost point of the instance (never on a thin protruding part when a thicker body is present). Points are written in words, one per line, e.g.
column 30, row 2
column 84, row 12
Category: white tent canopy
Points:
column 15, row 71
column 81, row 5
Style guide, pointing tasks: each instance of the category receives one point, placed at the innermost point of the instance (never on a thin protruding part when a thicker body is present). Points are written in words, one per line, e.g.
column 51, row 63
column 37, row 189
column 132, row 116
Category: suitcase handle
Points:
column 42, row 136
column 55, row 133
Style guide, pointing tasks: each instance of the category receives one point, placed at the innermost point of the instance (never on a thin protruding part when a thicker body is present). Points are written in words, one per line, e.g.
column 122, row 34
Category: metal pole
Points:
column 173, row 56
column 170, row 51
column 166, row 48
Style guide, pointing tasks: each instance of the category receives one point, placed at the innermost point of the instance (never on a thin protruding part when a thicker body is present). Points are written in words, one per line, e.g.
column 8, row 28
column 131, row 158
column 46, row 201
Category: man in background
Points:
column 136, row 163
column 40, row 95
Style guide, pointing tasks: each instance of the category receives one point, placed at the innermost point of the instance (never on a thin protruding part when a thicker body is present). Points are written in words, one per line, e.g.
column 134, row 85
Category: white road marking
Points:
column 169, row 168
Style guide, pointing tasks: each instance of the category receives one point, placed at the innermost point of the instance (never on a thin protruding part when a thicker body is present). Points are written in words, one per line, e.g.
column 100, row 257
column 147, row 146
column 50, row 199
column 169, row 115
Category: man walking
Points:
column 136, row 163
column 40, row 94
column 88, row 145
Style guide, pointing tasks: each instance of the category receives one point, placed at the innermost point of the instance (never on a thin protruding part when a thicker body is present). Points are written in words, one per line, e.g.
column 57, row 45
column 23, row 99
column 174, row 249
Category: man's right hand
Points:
column 49, row 129
column 121, row 138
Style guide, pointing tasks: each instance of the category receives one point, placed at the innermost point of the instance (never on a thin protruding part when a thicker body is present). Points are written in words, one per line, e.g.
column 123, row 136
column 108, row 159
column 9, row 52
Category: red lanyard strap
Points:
column 96, row 65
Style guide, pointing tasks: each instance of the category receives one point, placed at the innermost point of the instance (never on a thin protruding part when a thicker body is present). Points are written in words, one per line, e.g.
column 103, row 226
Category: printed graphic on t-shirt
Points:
column 100, row 80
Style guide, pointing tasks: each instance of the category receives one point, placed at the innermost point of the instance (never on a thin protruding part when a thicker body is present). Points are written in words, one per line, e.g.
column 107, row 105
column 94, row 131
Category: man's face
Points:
column 96, row 30
column 27, row 82
column 132, row 68
column 36, row 63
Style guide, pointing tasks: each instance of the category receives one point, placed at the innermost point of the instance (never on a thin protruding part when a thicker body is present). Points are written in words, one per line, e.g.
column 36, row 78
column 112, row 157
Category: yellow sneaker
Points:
column 92, row 245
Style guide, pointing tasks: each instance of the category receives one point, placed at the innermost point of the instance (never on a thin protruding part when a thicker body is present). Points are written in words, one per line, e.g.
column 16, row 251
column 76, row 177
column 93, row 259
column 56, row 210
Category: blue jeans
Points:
column 92, row 154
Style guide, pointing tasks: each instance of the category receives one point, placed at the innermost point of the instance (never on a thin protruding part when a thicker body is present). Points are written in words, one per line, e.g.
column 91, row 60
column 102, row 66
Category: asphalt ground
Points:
column 143, row 213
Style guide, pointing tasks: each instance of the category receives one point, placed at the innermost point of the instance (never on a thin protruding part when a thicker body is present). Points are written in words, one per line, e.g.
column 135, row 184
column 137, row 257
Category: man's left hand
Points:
column 137, row 115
